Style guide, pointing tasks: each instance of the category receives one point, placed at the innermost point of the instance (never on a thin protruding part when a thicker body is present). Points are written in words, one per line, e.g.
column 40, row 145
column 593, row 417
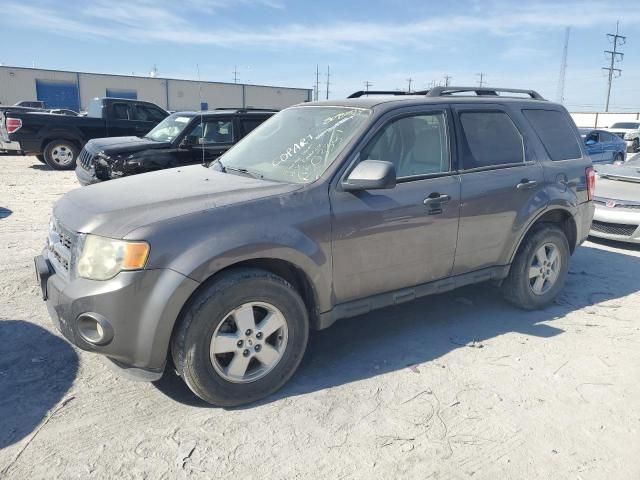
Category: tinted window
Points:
column 608, row 137
column 250, row 124
column 626, row 125
column 214, row 132
column 490, row 138
column 146, row 113
column 416, row 145
column 120, row 111
column 556, row 133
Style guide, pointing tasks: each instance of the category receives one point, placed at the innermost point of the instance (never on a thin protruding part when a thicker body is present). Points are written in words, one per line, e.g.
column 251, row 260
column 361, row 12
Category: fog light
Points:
column 94, row 329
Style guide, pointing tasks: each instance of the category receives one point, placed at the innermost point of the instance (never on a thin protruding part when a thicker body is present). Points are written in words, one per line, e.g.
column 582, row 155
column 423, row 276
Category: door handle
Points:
column 436, row 198
column 526, row 184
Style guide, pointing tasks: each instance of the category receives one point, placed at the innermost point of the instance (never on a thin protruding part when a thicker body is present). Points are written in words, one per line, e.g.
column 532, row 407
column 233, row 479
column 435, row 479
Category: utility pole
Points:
column 563, row 67
column 447, row 79
column 615, row 56
column 235, row 74
column 317, row 89
column 367, row 84
column 481, row 81
column 409, row 80
column 328, row 80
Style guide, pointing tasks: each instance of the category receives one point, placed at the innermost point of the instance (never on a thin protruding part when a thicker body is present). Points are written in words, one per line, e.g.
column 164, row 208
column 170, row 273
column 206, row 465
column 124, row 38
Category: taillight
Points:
column 13, row 124
column 591, row 182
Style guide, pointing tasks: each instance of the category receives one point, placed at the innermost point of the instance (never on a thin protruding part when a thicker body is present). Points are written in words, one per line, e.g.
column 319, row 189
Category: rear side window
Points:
column 555, row 132
column 120, row 111
column 489, row 139
column 146, row 113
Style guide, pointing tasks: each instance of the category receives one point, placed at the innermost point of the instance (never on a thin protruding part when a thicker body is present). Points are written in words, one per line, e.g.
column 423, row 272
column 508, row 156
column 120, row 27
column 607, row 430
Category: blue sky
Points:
column 516, row 44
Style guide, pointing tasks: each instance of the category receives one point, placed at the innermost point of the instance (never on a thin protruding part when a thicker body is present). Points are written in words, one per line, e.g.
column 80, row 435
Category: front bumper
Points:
column 139, row 307
column 85, row 177
column 629, row 144
column 619, row 224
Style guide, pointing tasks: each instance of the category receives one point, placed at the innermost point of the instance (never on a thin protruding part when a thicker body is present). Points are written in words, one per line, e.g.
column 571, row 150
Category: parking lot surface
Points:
column 459, row 385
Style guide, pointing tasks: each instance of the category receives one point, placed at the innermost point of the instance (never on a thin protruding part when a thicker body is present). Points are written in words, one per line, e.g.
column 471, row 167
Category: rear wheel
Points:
column 61, row 154
column 618, row 158
column 241, row 338
column 41, row 158
column 539, row 270
column 636, row 145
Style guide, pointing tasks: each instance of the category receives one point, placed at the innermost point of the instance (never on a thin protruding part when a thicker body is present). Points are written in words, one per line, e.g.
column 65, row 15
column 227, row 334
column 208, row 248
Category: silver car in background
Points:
column 617, row 201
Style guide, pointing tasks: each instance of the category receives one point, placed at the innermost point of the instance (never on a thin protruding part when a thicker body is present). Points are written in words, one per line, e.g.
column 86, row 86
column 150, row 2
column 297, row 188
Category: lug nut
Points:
column 258, row 347
column 248, row 332
column 240, row 343
column 245, row 353
column 259, row 335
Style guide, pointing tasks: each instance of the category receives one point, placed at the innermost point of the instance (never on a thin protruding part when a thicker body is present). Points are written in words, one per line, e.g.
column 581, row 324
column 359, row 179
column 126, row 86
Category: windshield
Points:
column 296, row 145
column 626, row 125
column 169, row 128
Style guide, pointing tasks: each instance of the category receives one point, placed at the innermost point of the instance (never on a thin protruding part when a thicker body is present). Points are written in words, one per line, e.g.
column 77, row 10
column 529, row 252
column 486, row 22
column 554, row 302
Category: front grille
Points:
column 618, row 203
column 613, row 228
column 86, row 159
column 60, row 244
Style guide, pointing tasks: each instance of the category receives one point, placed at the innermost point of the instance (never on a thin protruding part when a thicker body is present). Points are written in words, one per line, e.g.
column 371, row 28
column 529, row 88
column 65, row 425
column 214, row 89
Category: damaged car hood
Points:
column 113, row 209
column 121, row 145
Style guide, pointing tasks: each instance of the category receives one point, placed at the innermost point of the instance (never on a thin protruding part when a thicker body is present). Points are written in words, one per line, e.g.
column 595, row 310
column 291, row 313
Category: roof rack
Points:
column 443, row 91
column 237, row 109
column 481, row 91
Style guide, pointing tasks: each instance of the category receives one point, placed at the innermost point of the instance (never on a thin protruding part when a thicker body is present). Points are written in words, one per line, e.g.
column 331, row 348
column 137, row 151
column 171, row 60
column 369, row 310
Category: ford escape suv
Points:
column 325, row 211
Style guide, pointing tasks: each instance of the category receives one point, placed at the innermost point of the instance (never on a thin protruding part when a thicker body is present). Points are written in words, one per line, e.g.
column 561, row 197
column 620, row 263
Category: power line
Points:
column 481, row 81
column 317, row 89
column 615, row 56
column 409, row 80
column 563, row 67
column 447, row 79
column 235, row 74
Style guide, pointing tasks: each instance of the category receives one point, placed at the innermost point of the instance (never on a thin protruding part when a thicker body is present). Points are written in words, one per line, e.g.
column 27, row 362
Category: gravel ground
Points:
column 453, row 386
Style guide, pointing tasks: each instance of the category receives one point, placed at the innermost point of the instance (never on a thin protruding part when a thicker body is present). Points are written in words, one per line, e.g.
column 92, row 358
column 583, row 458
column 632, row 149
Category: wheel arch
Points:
column 558, row 216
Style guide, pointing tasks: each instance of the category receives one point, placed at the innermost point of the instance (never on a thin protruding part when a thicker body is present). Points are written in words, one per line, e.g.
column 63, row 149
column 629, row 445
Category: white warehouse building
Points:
column 74, row 90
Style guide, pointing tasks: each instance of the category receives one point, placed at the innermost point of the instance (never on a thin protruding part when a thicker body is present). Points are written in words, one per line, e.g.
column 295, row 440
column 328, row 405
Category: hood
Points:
column 118, row 145
column 618, row 182
column 115, row 208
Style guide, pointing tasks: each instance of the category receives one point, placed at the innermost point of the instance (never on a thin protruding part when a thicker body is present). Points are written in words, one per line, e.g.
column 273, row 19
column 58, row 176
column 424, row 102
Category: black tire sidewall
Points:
column 524, row 296
column 51, row 145
column 191, row 351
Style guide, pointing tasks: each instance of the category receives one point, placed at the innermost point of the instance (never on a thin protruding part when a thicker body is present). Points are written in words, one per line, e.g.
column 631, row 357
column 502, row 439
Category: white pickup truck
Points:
column 629, row 132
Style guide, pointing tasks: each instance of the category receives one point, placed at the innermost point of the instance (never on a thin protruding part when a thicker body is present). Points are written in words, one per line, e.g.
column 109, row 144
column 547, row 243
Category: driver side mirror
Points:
column 188, row 142
column 371, row 175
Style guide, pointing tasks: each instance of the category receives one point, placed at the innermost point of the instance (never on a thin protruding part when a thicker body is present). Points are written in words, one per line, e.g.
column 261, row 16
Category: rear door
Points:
column 386, row 240
column 501, row 184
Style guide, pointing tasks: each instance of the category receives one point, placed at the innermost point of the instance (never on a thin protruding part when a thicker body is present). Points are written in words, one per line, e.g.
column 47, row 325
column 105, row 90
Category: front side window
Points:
column 120, row 111
column 297, row 144
column 489, row 139
column 212, row 132
column 416, row 145
column 145, row 113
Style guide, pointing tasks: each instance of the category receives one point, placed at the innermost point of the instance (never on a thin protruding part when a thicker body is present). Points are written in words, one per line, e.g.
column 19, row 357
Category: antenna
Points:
column 201, row 115
column 447, row 80
column 409, row 80
column 367, row 84
column 563, row 67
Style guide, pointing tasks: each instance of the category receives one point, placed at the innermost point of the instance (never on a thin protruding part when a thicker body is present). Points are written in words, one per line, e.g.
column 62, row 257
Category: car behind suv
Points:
column 327, row 210
column 182, row 138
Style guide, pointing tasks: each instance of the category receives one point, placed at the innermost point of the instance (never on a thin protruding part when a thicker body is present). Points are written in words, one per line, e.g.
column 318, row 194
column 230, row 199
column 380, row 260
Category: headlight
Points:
column 628, row 136
column 102, row 258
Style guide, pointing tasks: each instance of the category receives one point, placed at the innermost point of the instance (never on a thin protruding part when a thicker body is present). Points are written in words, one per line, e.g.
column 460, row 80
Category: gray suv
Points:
column 327, row 210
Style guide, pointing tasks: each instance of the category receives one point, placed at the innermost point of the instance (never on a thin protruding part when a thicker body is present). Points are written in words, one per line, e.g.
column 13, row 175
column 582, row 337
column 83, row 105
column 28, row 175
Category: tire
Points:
column 618, row 158
column 635, row 146
column 41, row 158
column 519, row 288
column 61, row 154
column 216, row 313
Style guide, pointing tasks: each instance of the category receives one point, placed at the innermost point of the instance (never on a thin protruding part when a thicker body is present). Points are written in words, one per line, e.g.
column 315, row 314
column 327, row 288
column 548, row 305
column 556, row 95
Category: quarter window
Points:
column 489, row 139
column 416, row 145
column 555, row 132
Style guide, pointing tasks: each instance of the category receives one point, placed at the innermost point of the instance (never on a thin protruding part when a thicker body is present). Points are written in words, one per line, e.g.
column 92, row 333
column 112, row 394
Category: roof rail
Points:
column 240, row 109
column 364, row 93
column 481, row 91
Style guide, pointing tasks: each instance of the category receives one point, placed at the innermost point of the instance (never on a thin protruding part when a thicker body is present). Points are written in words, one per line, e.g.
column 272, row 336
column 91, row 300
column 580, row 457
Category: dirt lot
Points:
column 454, row 386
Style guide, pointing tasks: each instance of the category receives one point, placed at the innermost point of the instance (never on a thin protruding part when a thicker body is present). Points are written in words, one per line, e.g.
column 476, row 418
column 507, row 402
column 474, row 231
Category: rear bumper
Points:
column 13, row 146
column 137, row 310
column 583, row 218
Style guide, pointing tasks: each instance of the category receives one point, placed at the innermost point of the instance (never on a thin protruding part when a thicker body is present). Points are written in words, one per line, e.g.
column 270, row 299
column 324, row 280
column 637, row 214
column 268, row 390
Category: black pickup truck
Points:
column 57, row 139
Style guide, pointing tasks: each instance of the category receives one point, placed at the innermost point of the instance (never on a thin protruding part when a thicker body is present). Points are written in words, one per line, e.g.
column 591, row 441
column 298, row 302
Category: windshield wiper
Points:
column 244, row 171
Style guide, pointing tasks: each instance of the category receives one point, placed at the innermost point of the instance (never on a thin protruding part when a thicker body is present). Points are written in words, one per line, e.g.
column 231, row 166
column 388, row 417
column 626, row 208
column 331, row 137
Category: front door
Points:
column 209, row 139
column 385, row 240
column 499, row 185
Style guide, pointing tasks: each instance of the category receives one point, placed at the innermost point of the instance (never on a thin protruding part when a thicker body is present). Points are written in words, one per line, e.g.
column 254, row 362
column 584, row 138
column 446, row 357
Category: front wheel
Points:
column 539, row 270
column 241, row 338
column 61, row 154
column 635, row 146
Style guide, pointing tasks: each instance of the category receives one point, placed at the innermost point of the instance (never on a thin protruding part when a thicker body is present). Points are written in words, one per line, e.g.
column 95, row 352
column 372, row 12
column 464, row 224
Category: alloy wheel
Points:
column 544, row 268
